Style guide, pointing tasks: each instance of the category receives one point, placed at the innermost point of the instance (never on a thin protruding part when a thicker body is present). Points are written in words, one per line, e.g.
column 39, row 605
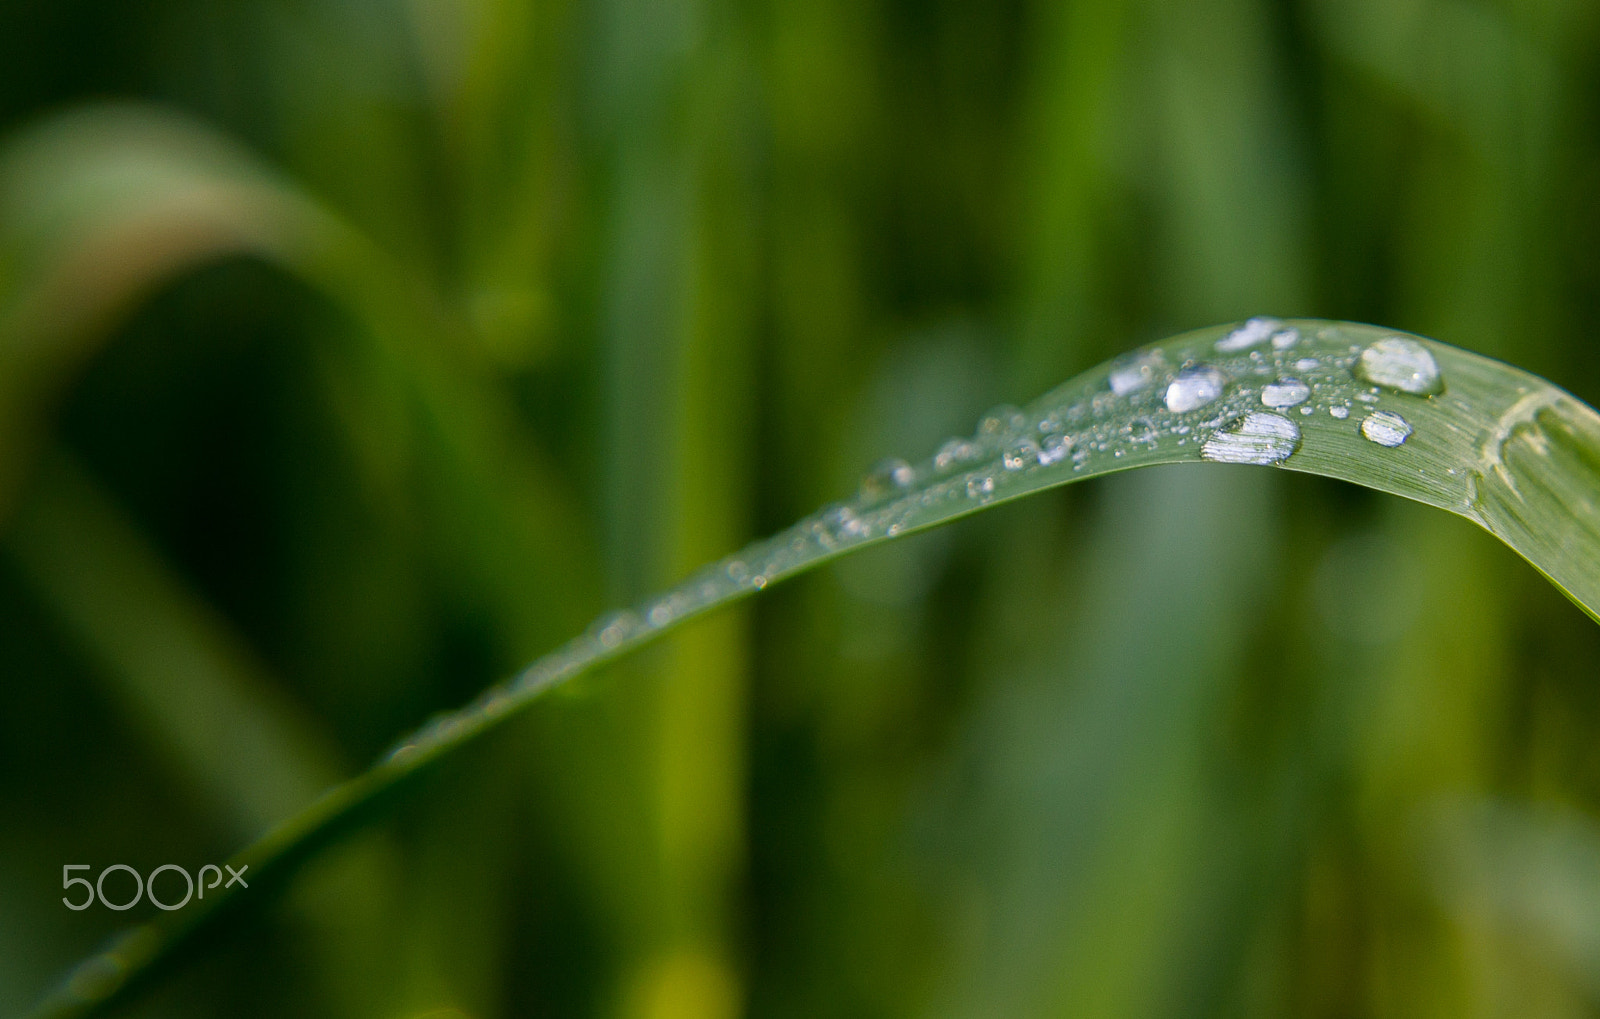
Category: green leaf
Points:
column 1386, row 410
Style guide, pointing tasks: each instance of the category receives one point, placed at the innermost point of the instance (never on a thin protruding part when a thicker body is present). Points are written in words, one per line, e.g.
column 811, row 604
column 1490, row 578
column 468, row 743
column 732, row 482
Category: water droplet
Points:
column 887, row 479
column 758, row 582
column 1257, row 438
column 1386, row 428
column 1020, row 454
column 955, row 454
column 1143, row 430
column 1248, row 335
column 1054, row 449
column 615, row 629
column 1133, row 373
column 1339, row 411
column 1284, row 393
column 1401, row 363
column 841, row 523
column 1001, row 421
column 1307, row 410
column 1195, row 387
column 660, row 615
column 1284, row 339
column 980, row 488
column 1307, row 364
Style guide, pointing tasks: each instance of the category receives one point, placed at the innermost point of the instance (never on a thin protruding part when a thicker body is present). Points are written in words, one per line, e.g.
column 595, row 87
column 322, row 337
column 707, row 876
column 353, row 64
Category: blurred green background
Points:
column 353, row 353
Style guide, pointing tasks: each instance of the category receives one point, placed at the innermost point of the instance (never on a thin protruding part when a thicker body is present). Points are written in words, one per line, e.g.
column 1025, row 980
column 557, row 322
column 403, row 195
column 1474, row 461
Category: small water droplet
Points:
column 1307, row 364
column 1248, row 335
column 841, row 523
column 737, row 571
column 1135, row 372
column 615, row 629
column 1143, row 430
column 1339, row 411
column 1386, row 428
column 887, row 479
column 1195, row 387
column 1284, row 393
column 1307, row 410
column 980, row 488
column 758, row 582
column 1021, row 453
column 1401, row 363
column 1054, row 449
column 660, row 615
column 1284, row 339
column 1257, row 438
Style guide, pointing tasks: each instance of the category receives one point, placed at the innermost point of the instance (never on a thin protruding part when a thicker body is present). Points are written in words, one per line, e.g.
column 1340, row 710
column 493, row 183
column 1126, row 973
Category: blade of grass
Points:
column 178, row 669
column 103, row 205
column 1446, row 427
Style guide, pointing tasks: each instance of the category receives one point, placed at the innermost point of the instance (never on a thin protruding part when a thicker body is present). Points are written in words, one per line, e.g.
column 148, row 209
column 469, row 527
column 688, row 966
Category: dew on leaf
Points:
column 1020, row 454
column 1248, row 335
column 1257, row 438
column 1195, row 387
column 1284, row 393
column 1386, row 428
column 1001, row 421
column 1131, row 374
column 888, row 478
column 1054, row 449
column 1400, row 363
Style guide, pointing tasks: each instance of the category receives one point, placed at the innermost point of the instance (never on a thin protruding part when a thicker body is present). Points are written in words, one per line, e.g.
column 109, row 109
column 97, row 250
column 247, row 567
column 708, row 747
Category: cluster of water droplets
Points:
column 1235, row 400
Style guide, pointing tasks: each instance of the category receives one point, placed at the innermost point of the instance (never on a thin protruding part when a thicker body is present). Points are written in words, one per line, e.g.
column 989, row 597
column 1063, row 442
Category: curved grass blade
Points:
column 1386, row 410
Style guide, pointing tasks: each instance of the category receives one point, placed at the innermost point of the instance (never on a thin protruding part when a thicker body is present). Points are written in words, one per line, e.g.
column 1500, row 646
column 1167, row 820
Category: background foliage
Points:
column 489, row 314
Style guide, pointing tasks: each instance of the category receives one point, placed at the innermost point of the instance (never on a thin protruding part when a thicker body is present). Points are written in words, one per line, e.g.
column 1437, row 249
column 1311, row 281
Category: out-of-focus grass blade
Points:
column 1389, row 411
column 103, row 205
column 175, row 667
column 1529, row 875
column 98, row 208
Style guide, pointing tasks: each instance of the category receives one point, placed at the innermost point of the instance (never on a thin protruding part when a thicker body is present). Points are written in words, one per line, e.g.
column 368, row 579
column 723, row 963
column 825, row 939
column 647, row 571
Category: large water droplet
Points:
column 955, row 454
column 889, row 478
column 1248, row 335
column 1256, row 438
column 1401, row 363
column 1386, row 428
column 1284, row 339
column 1195, row 387
column 1284, row 393
column 1133, row 373
column 1001, row 421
